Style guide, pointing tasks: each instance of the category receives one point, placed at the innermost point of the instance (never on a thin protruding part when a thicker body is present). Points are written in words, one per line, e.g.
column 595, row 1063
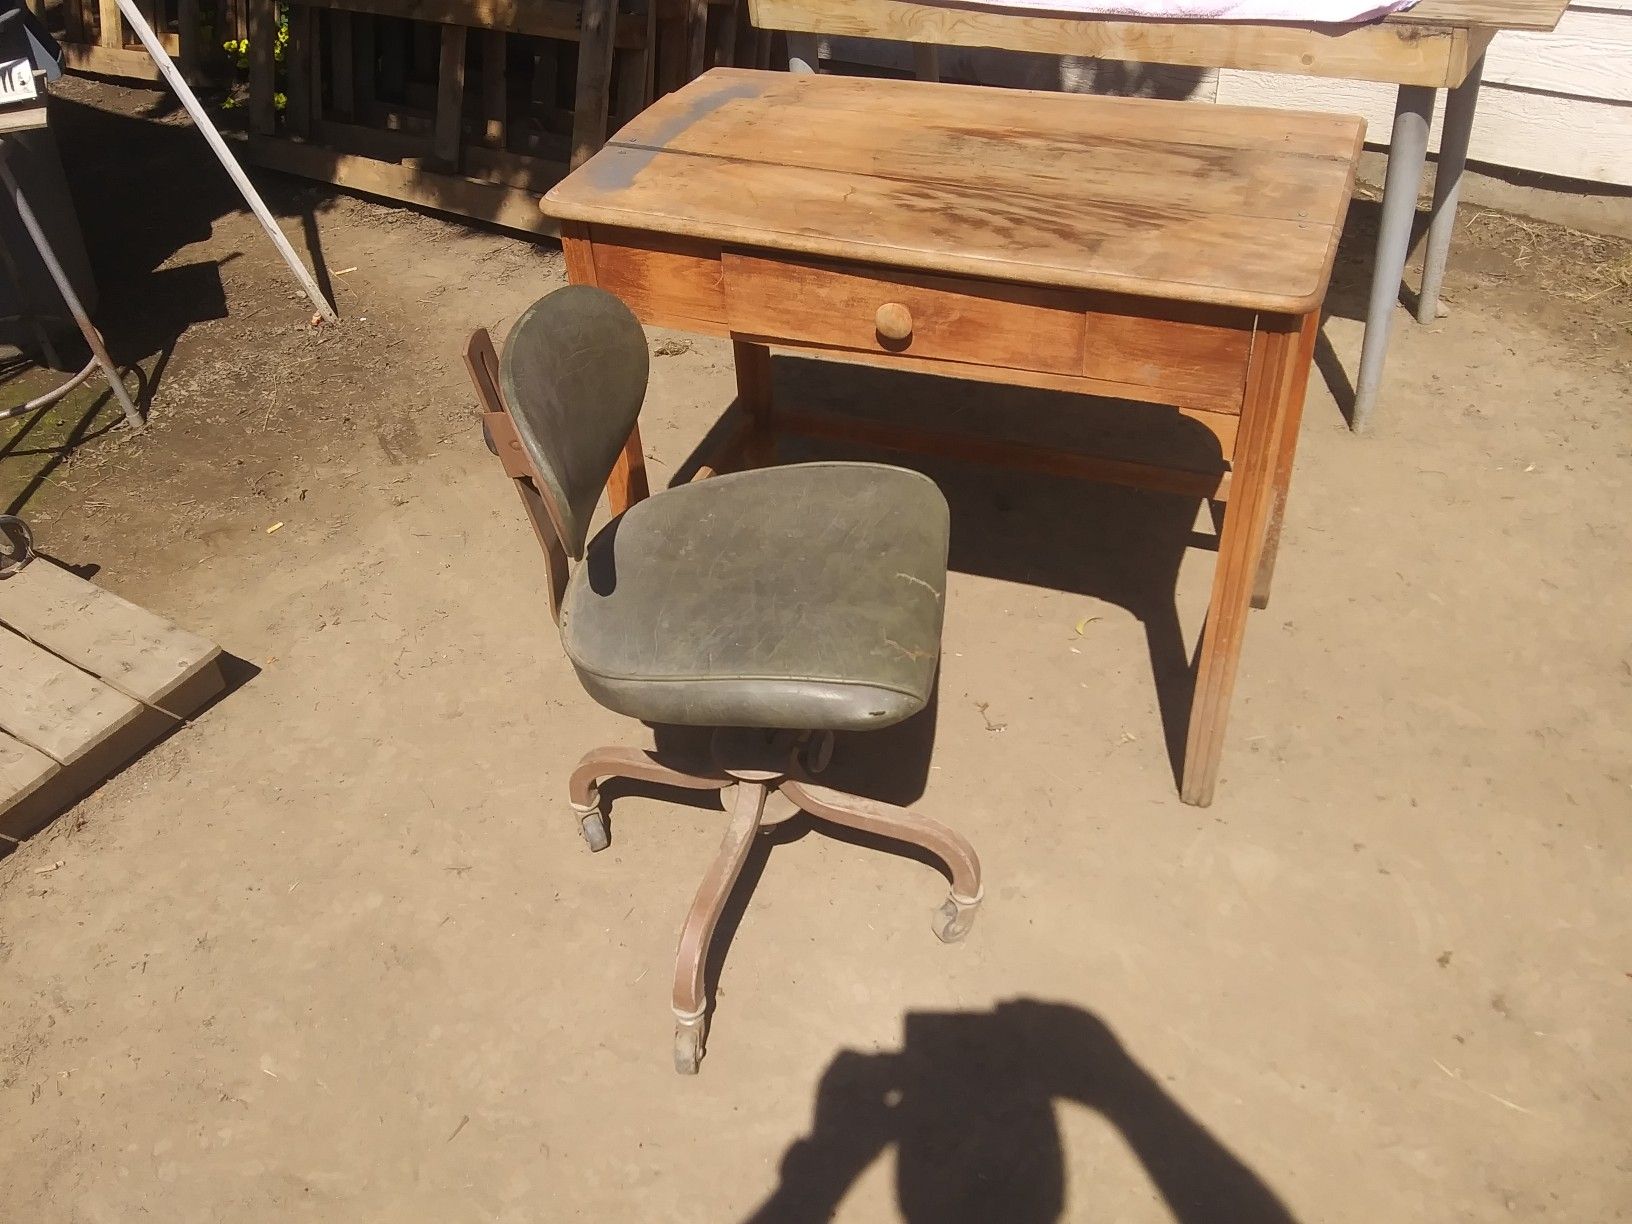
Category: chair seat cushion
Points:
column 806, row 597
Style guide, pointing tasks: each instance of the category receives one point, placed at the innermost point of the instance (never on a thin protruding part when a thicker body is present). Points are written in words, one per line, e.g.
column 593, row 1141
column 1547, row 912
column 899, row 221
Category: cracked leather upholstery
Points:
column 806, row 597
column 574, row 376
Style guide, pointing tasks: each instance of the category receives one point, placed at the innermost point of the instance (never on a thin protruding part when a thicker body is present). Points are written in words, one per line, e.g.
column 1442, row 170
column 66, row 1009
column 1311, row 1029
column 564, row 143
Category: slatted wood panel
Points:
column 1111, row 206
column 23, row 771
column 88, row 681
column 54, row 707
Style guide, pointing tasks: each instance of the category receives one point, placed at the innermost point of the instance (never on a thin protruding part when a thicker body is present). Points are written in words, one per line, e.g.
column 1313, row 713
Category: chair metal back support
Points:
column 557, row 409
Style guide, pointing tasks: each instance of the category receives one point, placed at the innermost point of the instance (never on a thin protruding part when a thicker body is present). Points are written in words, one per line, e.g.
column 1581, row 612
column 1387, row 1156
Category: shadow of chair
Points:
column 969, row 1104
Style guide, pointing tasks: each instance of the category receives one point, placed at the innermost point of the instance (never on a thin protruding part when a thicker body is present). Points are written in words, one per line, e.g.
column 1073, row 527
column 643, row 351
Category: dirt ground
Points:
column 335, row 951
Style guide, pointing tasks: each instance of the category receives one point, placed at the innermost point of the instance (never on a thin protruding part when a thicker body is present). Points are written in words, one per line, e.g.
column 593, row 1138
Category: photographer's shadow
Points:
column 968, row 1102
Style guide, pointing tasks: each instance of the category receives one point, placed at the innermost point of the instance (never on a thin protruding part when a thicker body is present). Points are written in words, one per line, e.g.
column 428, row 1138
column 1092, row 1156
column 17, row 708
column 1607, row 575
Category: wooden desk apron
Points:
column 1133, row 249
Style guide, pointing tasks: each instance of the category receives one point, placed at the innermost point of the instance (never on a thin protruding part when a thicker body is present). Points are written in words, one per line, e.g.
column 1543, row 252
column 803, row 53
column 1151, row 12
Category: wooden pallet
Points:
column 88, row 682
column 473, row 107
column 96, row 39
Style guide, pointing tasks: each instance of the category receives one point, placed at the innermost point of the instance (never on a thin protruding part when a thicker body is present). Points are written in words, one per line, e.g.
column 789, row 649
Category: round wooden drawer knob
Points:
column 894, row 321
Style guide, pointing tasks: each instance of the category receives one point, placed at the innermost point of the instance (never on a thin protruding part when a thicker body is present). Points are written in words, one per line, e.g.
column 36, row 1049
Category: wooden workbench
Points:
column 1147, row 251
column 1439, row 44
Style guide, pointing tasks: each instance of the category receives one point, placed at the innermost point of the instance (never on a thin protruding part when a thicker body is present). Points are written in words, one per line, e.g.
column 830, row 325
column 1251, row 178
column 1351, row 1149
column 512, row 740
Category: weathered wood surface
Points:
column 88, row 682
column 135, row 651
column 1434, row 43
column 1216, row 205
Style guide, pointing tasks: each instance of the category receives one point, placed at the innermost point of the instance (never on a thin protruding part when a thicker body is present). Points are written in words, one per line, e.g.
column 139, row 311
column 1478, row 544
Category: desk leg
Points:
column 1460, row 104
column 754, row 398
column 1283, row 463
column 1407, row 154
column 1260, row 447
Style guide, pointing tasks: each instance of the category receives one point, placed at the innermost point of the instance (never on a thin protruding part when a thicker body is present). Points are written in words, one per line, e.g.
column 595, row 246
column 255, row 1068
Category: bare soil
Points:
column 334, row 952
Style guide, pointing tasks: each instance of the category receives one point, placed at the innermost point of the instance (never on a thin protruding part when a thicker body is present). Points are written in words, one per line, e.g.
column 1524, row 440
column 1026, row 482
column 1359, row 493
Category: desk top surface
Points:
column 1227, row 206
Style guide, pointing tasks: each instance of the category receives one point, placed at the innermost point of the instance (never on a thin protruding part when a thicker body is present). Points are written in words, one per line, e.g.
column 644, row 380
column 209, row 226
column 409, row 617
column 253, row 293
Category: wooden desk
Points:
column 1438, row 44
column 1152, row 251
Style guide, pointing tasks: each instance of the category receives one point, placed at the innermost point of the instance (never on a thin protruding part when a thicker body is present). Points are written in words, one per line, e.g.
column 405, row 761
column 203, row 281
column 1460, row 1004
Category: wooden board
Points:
column 52, row 706
column 1430, row 53
column 88, row 682
column 23, row 771
column 129, row 648
column 1214, row 205
column 500, row 198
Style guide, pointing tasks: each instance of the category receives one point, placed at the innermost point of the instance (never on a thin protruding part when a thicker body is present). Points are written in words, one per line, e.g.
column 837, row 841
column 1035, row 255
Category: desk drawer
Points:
column 903, row 312
column 1124, row 347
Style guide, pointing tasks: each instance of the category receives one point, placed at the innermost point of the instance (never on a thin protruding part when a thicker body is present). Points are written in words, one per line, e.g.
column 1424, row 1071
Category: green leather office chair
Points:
column 777, row 606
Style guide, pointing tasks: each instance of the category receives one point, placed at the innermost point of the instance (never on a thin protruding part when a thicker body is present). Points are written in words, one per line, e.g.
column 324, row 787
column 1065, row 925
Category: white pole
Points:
column 189, row 100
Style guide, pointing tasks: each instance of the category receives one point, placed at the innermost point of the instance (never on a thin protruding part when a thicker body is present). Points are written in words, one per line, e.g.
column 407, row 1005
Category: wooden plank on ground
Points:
column 802, row 164
column 23, row 770
column 495, row 88
column 590, row 112
column 510, row 206
column 54, row 707
column 134, row 63
column 135, row 651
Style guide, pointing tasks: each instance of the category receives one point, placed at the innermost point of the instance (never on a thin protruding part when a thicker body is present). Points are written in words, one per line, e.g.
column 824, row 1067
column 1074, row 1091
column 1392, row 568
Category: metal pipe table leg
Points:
column 65, row 287
column 1407, row 154
column 1460, row 104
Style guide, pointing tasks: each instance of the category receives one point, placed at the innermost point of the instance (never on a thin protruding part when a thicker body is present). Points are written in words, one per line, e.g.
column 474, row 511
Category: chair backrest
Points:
column 573, row 377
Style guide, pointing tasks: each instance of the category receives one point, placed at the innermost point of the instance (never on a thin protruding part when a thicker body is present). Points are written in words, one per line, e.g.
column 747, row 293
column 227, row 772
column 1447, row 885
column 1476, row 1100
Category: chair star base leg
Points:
column 760, row 768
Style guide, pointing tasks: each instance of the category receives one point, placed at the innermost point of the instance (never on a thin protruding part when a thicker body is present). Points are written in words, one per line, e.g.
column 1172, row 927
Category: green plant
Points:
column 238, row 49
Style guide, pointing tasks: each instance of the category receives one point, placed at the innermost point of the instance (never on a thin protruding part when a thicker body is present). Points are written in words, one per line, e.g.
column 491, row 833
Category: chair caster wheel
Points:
column 953, row 920
column 816, row 752
column 593, row 826
column 688, row 1047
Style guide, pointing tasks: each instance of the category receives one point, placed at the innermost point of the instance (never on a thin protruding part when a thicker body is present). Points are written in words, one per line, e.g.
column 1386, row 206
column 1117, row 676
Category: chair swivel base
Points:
column 769, row 772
